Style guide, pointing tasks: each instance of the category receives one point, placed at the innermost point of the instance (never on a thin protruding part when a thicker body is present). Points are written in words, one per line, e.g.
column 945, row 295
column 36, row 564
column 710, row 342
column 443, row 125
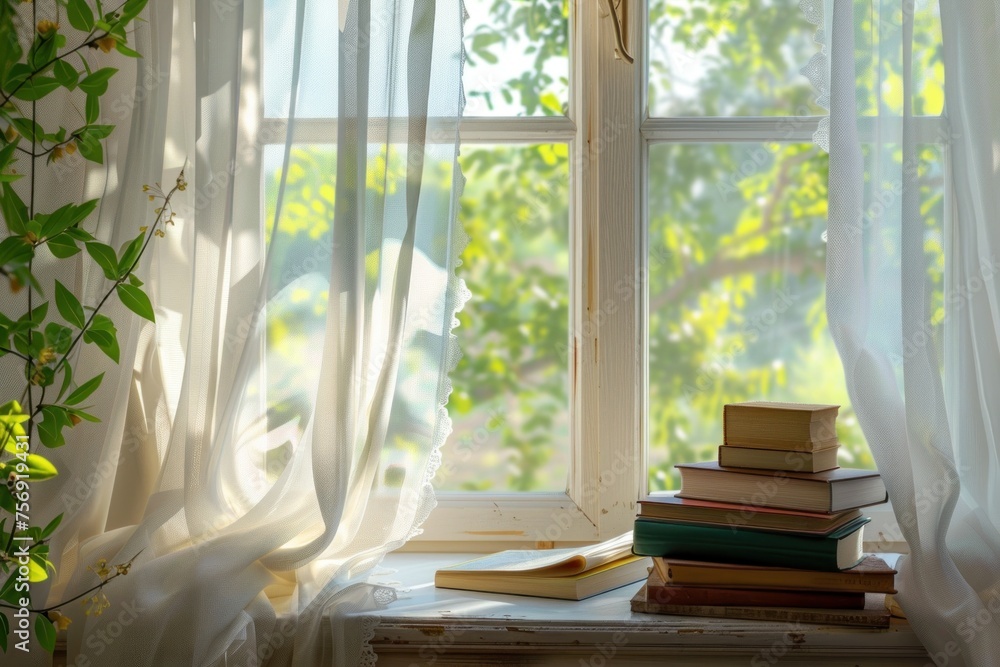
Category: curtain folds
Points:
column 912, row 295
column 280, row 425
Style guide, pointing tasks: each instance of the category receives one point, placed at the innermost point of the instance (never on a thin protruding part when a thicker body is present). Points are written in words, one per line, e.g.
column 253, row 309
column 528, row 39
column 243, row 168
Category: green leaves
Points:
column 36, row 88
column 14, row 211
column 90, row 148
column 92, row 110
column 130, row 254
column 39, row 468
column 80, row 15
column 67, row 216
column 14, row 250
column 136, row 300
column 84, row 390
column 105, row 257
column 96, row 83
column 54, row 420
column 65, row 74
column 4, row 631
column 45, row 632
column 104, row 335
column 69, row 306
column 51, row 526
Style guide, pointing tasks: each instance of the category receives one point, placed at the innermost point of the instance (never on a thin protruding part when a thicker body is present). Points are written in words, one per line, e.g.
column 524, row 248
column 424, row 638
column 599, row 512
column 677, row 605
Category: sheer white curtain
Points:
column 920, row 338
column 279, row 427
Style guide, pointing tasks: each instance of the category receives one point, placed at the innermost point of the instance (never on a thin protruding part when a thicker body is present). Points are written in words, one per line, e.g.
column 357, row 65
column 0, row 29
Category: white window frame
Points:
column 609, row 133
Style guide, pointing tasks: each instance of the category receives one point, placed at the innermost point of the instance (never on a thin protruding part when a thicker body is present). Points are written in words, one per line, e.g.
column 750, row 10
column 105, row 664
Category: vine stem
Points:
column 45, row 610
column 119, row 281
column 38, row 70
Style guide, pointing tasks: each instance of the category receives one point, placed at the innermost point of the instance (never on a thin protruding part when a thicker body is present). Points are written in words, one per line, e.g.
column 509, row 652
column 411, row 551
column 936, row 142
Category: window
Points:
column 647, row 244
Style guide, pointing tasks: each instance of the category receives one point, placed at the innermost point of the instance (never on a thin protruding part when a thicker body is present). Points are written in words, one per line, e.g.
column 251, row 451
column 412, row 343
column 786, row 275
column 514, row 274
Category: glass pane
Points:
column 318, row 76
column 736, row 292
column 742, row 58
column 882, row 73
column 517, row 57
column 294, row 323
column 510, row 403
column 729, row 58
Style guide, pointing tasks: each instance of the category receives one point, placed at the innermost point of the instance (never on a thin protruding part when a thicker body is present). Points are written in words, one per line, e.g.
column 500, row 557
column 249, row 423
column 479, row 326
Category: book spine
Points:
column 816, row 581
column 859, row 618
column 685, row 595
column 726, row 545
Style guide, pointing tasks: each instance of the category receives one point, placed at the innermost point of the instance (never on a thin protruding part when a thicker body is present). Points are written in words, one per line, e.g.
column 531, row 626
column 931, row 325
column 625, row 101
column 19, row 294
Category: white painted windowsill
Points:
column 429, row 626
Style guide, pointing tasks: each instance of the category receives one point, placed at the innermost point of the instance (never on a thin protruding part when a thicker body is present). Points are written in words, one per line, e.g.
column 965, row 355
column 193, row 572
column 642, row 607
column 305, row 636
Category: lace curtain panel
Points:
column 276, row 431
column 918, row 330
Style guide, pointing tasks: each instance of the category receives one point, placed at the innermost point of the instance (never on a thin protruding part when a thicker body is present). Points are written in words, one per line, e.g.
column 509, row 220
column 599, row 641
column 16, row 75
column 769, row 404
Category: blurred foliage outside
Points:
column 735, row 236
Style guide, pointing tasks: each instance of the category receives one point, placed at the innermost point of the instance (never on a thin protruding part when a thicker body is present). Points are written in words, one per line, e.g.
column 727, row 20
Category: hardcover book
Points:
column 839, row 550
column 829, row 491
column 874, row 615
column 748, row 597
column 734, row 515
column 731, row 456
column 871, row 575
column 784, row 426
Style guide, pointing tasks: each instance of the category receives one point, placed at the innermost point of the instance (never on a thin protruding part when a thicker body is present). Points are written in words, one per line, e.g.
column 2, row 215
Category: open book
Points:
column 569, row 574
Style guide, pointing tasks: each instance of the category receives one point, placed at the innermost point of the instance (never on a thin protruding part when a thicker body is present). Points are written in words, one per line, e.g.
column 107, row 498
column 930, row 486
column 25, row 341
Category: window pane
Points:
column 510, row 398
column 736, row 291
column 736, row 304
column 742, row 58
column 318, row 76
column 294, row 323
column 517, row 61
column 729, row 58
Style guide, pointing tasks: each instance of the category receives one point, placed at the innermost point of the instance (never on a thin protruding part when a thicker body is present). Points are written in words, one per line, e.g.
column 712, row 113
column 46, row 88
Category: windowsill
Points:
column 430, row 626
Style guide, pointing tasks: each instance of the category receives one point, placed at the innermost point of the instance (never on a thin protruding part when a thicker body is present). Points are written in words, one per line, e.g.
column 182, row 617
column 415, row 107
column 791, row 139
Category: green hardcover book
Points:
column 837, row 551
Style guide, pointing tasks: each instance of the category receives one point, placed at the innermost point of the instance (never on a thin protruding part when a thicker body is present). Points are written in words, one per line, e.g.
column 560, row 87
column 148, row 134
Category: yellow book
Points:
column 567, row 574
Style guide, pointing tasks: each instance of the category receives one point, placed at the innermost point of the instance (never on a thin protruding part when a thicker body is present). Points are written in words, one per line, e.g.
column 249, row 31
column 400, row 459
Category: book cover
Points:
column 871, row 575
column 839, row 550
column 828, row 491
column 734, row 515
column 778, row 411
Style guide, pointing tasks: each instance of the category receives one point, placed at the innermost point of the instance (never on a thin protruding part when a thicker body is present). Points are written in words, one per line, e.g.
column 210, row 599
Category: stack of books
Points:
column 773, row 530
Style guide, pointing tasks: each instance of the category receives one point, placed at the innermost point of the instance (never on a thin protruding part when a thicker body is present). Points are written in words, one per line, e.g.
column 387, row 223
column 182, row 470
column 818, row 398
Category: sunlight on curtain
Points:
column 281, row 426
column 912, row 301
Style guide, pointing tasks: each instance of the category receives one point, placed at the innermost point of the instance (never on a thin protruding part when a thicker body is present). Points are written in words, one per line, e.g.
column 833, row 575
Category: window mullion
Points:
column 608, row 337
